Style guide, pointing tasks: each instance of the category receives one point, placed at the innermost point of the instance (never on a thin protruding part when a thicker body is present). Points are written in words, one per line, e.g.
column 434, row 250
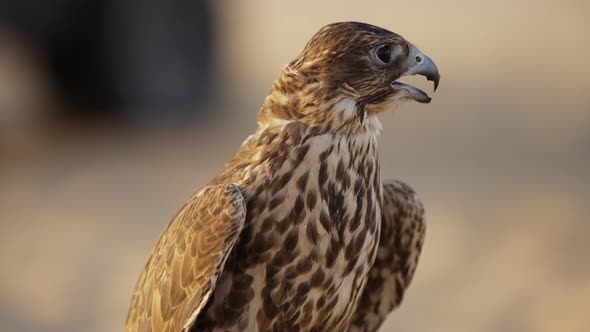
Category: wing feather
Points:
column 402, row 235
column 185, row 263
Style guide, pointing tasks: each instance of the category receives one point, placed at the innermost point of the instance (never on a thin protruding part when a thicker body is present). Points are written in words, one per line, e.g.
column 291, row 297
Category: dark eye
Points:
column 383, row 54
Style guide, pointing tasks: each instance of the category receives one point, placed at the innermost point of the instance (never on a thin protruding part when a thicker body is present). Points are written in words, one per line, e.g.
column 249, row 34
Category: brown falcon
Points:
column 298, row 232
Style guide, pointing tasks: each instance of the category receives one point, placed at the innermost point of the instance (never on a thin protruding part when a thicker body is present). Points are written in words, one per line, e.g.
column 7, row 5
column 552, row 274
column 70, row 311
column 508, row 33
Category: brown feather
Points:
column 402, row 235
column 175, row 283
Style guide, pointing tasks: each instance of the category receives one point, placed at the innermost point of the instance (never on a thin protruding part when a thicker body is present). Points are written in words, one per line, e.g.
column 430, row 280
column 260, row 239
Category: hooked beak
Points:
column 420, row 64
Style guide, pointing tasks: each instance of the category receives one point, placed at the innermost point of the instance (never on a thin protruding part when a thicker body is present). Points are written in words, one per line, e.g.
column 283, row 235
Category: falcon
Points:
column 298, row 232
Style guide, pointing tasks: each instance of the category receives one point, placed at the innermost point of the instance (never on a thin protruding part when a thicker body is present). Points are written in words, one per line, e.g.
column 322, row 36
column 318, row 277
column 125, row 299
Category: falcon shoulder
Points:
column 182, row 270
column 402, row 235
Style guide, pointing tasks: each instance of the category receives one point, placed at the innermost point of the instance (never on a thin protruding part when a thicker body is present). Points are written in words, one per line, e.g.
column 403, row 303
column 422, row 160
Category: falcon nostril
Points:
column 418, row 59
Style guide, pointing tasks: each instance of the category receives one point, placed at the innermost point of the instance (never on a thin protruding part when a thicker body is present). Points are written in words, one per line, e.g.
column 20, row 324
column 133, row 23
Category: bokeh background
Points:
column 113, row 113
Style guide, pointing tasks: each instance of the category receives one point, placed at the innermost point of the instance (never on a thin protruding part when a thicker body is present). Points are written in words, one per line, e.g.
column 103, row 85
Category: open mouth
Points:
column 425, row 67
column 413, row 92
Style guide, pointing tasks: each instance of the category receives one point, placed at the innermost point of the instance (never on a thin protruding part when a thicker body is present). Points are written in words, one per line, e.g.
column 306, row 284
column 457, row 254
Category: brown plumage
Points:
column 298, row 232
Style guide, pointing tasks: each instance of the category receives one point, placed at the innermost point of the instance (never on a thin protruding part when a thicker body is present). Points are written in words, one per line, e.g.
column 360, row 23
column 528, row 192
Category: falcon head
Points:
column 350, row 63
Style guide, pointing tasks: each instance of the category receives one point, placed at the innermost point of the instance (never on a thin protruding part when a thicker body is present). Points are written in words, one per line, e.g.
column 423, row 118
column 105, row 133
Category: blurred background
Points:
column 113, row 112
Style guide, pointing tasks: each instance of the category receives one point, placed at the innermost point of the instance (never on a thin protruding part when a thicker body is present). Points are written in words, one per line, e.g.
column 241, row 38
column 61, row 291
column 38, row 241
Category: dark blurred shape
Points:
column 150, row 60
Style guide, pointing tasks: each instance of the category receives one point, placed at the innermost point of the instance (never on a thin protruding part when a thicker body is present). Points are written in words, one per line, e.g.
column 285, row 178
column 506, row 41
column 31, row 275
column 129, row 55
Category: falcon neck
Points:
column 298, row 147
column 272, row 145
column 298, row 96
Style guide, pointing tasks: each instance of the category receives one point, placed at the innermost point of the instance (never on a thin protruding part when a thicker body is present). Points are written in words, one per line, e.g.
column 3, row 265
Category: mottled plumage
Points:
column 298, row 232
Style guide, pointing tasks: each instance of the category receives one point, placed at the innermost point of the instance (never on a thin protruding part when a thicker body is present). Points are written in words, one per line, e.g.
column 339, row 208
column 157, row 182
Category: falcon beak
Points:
column 426, row 67
column 420, row 64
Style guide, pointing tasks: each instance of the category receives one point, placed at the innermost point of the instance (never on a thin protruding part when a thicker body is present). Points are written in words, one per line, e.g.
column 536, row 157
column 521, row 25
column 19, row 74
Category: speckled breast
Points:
column 312, row 225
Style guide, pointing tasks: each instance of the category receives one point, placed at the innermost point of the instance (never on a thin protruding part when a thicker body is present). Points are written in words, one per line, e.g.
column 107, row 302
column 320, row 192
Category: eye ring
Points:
column 382, row 54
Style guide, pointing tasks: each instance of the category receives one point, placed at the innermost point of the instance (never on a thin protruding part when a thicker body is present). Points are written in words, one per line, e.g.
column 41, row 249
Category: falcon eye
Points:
column 383, row 54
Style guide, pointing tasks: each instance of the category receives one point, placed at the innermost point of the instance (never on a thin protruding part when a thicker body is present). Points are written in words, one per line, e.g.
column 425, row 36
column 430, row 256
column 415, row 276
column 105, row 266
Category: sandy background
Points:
column 501, row 159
